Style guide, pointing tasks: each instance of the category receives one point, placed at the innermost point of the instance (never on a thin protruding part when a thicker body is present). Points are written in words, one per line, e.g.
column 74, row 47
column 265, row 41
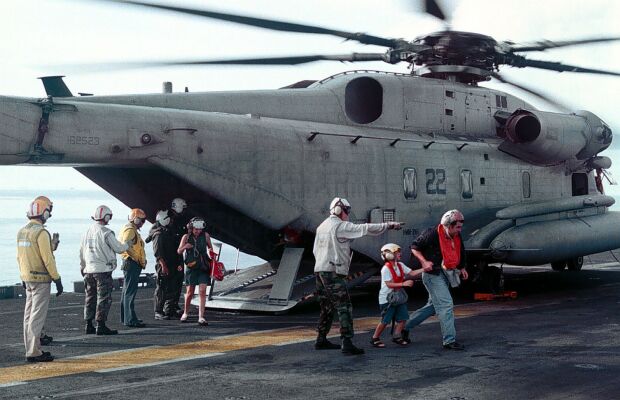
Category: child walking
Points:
column 395, row 277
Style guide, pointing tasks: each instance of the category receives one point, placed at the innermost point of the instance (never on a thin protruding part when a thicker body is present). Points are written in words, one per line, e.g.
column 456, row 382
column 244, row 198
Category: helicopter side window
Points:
column 467, row 184
column 525, row 179
column 410, row 183
column 363, row 100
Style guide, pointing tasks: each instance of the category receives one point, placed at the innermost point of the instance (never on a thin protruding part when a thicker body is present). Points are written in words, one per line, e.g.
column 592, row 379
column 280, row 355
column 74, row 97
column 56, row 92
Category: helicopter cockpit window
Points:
column 467, row 184
column 363, row 100
column 410, row 183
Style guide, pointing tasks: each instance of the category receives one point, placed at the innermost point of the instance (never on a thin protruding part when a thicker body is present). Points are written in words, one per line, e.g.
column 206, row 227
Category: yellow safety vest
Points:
column 136, row 249
column 34, row 254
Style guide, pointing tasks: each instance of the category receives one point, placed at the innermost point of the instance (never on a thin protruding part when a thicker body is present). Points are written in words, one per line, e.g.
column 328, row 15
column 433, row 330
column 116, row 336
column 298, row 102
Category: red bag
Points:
column 217, row 270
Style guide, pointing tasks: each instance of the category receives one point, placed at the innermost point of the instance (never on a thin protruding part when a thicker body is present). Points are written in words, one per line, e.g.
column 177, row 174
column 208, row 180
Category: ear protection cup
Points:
column 388, row 256
column 337, row 210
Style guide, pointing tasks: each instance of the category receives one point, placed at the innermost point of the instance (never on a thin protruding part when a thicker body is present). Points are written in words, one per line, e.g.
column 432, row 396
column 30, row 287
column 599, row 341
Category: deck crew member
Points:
column 134, row 261
column 332, row 251
column 179, row 219
column 441, row 253
column 97, row 261
column 37, row 268
column 169, row 267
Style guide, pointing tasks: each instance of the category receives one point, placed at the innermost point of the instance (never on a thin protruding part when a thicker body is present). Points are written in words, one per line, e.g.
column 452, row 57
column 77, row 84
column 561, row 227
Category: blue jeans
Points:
column 440, row 303
column 131, row 271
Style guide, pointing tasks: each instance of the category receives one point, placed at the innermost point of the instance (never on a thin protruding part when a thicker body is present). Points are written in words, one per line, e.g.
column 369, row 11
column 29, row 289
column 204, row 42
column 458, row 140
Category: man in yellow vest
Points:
column 37, row 268
column 134, row 261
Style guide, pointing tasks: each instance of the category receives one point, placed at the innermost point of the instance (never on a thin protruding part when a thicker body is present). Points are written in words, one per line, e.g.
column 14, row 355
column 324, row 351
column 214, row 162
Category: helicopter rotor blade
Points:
column 521, row 62
column 268, row 24
column 432, row 7
column 287, row 60
column 541, row 96
column 547, row 44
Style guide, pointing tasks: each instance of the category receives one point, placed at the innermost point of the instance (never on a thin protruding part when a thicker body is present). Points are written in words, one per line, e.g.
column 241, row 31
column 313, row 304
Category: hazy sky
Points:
column 41, row 36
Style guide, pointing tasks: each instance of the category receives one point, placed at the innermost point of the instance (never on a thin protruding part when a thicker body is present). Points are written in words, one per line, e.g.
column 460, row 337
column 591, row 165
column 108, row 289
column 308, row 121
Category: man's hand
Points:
column 395, row 225
column 407, row 283
column 427, row 265
column 464, row 274
column 55, row 241
column 59, row 288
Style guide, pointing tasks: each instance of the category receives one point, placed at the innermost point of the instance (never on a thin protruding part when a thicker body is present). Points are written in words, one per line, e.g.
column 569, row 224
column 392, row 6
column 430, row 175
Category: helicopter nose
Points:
column 18, row 124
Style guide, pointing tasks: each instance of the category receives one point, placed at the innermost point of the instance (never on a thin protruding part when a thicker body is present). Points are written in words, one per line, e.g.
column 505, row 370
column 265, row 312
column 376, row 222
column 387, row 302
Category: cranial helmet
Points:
column 178, row 205
column 102, row 213
column 162, row 218
column 136, row 216
column 338, row 205
column 41, row 207
column 389, row 250
column 197, row 223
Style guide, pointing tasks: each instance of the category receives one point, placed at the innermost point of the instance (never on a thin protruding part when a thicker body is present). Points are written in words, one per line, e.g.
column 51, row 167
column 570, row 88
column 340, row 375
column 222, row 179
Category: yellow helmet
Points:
column 137, row 214
column 41, row 207
column 388, row 251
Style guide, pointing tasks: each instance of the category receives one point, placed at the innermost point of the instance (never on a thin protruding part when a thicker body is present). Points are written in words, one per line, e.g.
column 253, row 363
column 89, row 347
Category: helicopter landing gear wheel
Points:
column 558, row 265
column 574, row 264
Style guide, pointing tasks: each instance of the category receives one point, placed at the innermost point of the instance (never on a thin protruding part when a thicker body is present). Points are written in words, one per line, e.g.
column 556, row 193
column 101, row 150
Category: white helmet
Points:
column 178, row 205
column 338, row 205
column 389, row 250
column 163, row 218
column 102, row 213
column 197, row 223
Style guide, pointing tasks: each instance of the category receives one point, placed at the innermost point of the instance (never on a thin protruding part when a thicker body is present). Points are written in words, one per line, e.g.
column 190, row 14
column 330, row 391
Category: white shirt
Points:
column 98, row 250
column 332, row 244
column 386, row 275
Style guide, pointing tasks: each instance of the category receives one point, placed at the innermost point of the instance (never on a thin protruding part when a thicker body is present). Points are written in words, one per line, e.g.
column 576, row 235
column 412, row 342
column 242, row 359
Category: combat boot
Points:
column 323, row 344
column 104, row 330
column 90, row 329
column 349, row 349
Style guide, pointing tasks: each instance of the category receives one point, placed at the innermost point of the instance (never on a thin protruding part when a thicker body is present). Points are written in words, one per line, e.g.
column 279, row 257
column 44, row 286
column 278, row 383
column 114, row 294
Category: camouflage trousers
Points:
column 333, row 296
column 98, row 289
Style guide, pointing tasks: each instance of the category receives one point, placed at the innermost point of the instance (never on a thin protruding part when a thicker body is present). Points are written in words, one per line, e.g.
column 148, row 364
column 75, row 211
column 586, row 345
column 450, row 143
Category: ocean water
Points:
column 71, row 218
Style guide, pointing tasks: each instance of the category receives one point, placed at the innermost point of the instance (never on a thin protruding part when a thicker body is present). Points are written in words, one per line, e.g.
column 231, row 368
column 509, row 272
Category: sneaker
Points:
column 161, row 317
column 45, row 357
column 46, row 340
column 183, row 317
column 202, row 322
column 454, row 346
column 324, row 344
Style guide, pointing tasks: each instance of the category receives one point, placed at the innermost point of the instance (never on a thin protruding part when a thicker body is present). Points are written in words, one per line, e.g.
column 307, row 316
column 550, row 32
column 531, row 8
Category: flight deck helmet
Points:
column 102, row 213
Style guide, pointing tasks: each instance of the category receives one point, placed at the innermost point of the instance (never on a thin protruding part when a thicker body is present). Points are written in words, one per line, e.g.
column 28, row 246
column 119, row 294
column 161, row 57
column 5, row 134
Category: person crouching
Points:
column 395, row 277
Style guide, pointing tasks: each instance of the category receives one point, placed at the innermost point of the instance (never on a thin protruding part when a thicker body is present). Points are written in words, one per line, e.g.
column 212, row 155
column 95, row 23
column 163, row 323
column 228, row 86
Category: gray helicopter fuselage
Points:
column 398, row 147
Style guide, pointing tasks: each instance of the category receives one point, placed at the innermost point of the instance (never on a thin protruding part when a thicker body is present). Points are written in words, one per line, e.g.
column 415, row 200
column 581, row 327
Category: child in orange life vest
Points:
column 394, row 276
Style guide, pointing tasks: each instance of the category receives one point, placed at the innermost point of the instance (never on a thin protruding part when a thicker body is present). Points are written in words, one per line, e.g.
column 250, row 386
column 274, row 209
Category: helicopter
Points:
column 262, row 166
